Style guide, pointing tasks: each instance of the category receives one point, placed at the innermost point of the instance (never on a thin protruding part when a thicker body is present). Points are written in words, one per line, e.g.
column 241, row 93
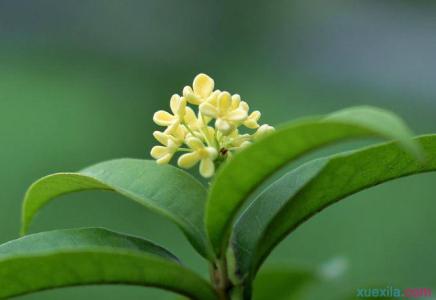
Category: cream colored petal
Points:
column 180, row 133
column 252, row 120
column 187, row 90
column 244, row 106
column 158, row 152
column 210, row 133
column 174, row 103
column 203, row 85
column 213, row 98
column 194, row 143
column 209, row 110
column 190, row 97
column 223, row 126
column 245, row 144
column 190, row 117
column 172, row 128
column 255, row 115
column 224, row 102
column 161, row 137
column 173, row 145
column 207, row 168
column 203, row 119
column 212, row 153
column 193, row 99
column 236, row 100
column 181, row 108
column 239, row 140
column 188, row 160
column 163, row 118
column 263, row 131
column 164, row 159
column 237, row 115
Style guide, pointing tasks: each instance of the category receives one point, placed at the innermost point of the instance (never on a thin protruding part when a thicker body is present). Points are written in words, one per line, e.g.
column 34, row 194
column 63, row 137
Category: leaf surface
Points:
column 303, row 192
column 166, row 190
column 90, row 256
column 238, row 178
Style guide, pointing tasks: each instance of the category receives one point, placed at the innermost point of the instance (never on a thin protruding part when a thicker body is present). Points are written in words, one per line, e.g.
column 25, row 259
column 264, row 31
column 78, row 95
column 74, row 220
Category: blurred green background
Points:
column 80, row 80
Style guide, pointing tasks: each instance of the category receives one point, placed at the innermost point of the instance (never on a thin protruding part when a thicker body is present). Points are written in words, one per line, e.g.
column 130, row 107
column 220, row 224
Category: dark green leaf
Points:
column 300, row 194
column 238, row 178
column 76, row 257
column 166, row 190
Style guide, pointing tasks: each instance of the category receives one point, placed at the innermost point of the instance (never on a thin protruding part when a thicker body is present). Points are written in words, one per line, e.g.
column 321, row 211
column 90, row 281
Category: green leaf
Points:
column 282, row 283
column 302, row 193
column 238, row 178
column 91, row 256
column 165, row 190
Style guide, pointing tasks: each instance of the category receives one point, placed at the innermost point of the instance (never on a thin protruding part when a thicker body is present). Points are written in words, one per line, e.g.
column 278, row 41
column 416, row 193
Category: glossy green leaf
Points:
column 92, row 256
column 166, row 190
column 238, row 178
column 302, row 193
column 282, row 283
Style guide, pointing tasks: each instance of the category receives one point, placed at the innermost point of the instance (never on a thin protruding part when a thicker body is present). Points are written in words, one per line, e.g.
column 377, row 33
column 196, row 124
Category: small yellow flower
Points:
column 262, row 131
column 252, row 120
column 178, row 108
column 237, row 140
column 192, row 121
column 200, row 153
column 227, row 117
column 202, row 88
column 171, row 143
column 205, row 144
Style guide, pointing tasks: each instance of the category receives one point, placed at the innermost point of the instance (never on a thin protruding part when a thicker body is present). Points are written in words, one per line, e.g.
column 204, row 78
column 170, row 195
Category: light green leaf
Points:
column 302, row 193
column 282, row 283
column 238, row 178
column 92, row 256
column 166, row 190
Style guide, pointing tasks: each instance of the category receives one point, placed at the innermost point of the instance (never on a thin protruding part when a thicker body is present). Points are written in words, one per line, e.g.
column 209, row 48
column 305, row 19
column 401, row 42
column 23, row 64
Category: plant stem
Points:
column 220, row 280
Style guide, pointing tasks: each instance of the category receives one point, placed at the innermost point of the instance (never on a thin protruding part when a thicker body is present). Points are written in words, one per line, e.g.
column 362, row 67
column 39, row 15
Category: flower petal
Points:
column 188, row 160
column 163, row 118
column 236, row 100
column 180, row 133
column 158, row 152
column 194, row 143
column 164, row 159
column 252, row 120
column 187, row 90
column 172, row 128
column 224, row 126
column 203, row 85
column 190, row 117
column 212, row 153
column 207, row 168
column 190, row 97
column 244, row 106
column 263, row 131
column 237, row 115
column 213, row 98
column 174, row 103
column 161, row 137
column 209, row 110
column 224, row 102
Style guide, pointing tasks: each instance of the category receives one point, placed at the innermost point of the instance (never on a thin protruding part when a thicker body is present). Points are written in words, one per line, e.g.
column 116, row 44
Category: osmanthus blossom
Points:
column 208, row 135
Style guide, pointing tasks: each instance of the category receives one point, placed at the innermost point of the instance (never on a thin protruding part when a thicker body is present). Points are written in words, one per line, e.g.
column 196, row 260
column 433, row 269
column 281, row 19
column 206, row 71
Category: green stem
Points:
column 221, row 281
column 237, row 294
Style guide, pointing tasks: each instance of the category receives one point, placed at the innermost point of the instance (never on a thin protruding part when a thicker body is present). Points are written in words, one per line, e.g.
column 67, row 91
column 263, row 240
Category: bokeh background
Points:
column 80, row 80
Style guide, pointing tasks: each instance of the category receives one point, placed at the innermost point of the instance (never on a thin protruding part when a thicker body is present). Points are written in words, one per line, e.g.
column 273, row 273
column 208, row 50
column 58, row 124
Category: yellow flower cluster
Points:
column 192, row 133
